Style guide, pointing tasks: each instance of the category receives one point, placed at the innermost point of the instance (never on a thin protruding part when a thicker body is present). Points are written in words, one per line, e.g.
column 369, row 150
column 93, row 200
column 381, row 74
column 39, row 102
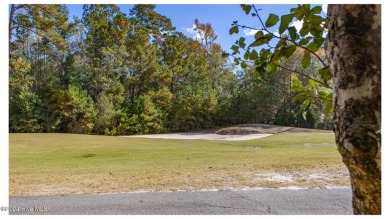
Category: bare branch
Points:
column 301, row 73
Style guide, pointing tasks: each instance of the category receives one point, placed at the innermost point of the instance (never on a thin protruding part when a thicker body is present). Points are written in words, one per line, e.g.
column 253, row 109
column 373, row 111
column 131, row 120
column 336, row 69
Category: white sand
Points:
column 201, row 136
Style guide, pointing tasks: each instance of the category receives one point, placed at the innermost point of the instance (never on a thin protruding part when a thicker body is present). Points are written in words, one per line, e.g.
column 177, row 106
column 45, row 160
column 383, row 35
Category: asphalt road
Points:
column 243, row 202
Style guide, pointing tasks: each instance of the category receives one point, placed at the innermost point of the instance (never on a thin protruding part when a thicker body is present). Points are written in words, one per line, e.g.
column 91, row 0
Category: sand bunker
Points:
column 201, row 136
column 234, row 133
column 246, row 129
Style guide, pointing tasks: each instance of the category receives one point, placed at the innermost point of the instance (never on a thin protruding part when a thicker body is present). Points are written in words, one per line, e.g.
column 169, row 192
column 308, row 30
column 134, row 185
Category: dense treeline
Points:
column 113, row 73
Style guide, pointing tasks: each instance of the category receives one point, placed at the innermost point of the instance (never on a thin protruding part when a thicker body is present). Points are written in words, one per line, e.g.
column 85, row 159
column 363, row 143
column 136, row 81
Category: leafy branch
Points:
column 287, row 39
column 309, row 39
column 238, row 60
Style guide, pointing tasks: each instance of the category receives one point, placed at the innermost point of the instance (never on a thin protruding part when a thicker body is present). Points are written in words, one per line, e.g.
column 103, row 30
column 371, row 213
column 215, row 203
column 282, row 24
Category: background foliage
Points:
column 115, row 74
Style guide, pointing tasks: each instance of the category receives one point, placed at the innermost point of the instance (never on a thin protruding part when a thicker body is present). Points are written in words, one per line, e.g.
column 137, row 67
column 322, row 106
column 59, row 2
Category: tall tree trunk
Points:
column 354, row 51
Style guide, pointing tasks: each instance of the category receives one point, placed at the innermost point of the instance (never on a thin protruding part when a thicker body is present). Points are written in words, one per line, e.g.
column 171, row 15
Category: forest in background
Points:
column 117, row 74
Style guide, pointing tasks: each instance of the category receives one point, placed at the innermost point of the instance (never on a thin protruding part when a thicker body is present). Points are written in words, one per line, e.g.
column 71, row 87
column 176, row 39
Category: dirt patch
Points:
column 194, row 180
column 304, row 179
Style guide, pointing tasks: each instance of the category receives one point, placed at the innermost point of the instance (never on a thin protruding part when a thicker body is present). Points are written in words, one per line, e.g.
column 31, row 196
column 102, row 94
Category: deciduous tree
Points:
column 354, row 64
column 354, row 51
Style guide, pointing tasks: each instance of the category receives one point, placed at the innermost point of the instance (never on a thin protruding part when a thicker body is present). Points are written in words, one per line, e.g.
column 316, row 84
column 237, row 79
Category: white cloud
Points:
column 297, row 24
column 250, row 32
column 196, row 35
column 325, row 8
column 192, row 31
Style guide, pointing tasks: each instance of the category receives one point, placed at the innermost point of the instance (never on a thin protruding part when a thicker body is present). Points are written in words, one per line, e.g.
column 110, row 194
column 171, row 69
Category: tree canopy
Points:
column 114, row 73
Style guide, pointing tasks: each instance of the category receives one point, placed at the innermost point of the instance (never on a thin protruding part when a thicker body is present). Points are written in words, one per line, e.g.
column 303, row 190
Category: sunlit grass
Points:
column 68, row 163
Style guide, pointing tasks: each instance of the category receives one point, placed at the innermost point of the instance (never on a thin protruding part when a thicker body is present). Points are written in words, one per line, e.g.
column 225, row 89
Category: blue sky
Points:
column 220, row 16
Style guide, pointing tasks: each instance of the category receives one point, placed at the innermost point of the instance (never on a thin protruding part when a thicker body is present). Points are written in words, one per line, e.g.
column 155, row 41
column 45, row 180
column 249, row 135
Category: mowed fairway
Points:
column 69, row 163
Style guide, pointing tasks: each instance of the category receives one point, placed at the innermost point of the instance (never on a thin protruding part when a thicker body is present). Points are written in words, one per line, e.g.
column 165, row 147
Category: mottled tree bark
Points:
column 354, row 51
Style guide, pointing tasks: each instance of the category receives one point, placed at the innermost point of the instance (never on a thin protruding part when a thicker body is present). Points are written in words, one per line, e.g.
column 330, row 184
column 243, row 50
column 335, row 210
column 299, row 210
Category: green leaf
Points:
column 312, row 83
column 316, row 20
column 234, row 48
column 233, row 30
column 242, row 45
column 261, row 70
column 246, row 8
column 306, row 59
column 272, row 20
column 313, row 47
column 236, row 61
column 305, row 41
column 323, row 94
column 298, row 12
column 300, row 96
column 264, row 54
column 271, row 68
column 325, row 73
column 262, row 40
column 281, row 43
column 305, row 29
column 288, row 51
column 275, row 56
column 259, row 34
column 306, row 104
column 258, row 62
column 297, row 85
column 330, row 96
column 254, row 55
column 306, row 8
column 225, row 55
column 329, row 106
column 286, row 20
column 316, row 10
column 304, row 115
column 292, row 10
column 243, row 65
column 292, row 31
column 319, row 41
column 268, row 37
column 246, row 55
column 258, row 42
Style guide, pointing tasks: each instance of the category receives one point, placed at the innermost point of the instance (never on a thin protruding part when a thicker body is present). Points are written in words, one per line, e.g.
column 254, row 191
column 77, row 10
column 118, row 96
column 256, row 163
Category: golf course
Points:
column 48, row 164
column 194, row 109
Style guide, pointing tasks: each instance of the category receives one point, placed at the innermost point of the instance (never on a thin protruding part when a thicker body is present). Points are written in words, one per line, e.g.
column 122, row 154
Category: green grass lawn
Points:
column 68, row 163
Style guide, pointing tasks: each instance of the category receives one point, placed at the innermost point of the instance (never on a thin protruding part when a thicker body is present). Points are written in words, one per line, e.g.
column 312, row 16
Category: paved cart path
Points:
column 251, row 202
